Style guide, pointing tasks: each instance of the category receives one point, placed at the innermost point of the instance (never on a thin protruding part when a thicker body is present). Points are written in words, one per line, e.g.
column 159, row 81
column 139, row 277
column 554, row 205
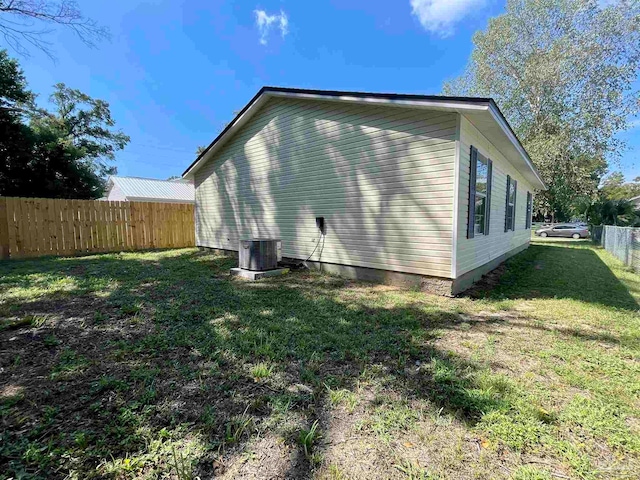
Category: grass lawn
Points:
column 158, row 365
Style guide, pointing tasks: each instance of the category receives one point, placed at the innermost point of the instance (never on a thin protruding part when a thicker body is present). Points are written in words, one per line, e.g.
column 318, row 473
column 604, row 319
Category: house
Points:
column 415, row 189
column 635, row 201
column 138, row 189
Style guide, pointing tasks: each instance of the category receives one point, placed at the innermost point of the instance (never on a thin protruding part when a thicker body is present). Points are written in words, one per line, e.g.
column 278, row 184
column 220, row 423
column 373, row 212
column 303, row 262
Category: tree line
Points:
column 612, row 205
column 61, row 152
column 563, row 72
column 65, row 150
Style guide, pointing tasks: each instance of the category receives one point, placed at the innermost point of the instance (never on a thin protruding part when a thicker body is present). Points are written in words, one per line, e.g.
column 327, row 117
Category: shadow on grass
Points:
column 551, row 270
column 135, row 352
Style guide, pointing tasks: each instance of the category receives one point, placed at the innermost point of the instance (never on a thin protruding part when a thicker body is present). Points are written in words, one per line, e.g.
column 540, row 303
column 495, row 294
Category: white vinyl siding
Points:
column 383, row 178
column 475, row 252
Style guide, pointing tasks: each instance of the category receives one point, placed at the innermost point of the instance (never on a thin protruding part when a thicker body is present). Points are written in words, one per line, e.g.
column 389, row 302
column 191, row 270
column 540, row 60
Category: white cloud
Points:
column 266, row 22
column 439, row 16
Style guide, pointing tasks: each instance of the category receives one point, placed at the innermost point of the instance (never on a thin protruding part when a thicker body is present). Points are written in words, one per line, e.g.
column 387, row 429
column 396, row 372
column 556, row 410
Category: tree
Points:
column 82, row 125
column 614, row 187
column 13, row 86
column 613, row 212
column 16, row 139
column 613, row 206
column 65, row 153
column 562, row 71
column 26, row 23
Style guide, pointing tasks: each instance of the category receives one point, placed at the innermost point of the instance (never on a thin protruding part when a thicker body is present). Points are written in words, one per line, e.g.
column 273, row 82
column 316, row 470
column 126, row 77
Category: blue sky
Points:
column 175, row 71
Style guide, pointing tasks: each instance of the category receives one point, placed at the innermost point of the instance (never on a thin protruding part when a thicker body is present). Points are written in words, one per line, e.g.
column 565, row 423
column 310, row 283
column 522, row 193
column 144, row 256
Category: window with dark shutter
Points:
column 529, row 210
column 480, row 173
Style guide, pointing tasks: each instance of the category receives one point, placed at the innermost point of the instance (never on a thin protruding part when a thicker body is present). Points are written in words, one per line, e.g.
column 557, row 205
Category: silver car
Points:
column 565, row 230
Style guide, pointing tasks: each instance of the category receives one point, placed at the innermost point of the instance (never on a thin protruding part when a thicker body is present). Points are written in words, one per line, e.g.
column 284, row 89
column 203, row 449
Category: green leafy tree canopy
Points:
column 615, row 187
column 83, row 126
column 563, row 73
column 62, row 153
column 13, row 85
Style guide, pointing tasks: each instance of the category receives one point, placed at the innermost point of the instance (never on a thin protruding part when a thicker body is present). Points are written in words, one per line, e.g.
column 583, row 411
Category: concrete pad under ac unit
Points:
column 257, row 275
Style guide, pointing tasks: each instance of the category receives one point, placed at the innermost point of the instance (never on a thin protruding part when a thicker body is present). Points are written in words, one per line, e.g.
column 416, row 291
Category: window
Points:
column 529, row 210
column 510, row 209
column 479, row 194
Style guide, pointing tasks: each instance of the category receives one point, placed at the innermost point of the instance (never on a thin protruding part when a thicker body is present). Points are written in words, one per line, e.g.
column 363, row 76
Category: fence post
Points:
column 4, row 229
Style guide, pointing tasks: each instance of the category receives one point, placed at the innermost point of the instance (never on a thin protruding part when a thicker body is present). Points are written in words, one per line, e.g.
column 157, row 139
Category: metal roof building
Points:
column 137, row 189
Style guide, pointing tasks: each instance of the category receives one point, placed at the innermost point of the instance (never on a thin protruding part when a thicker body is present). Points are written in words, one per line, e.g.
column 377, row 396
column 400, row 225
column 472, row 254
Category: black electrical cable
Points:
column 314, row 250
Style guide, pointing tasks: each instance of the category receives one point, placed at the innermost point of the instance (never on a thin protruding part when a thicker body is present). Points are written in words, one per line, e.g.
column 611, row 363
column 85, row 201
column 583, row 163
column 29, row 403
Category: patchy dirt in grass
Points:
column 158, row 365
column 265, row 458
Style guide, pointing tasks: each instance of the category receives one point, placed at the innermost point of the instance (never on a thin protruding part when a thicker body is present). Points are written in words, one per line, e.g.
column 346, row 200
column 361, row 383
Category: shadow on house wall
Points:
column 352, row 165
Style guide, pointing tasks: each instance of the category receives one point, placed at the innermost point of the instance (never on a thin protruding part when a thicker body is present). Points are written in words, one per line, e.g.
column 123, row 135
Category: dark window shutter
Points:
column 473, row 168
column 487, row 218
column 507, row 221
column 515, row 198
column 529, row 202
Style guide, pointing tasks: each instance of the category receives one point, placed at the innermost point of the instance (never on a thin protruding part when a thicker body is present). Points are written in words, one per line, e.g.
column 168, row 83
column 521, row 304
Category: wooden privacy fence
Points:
column 31, row 227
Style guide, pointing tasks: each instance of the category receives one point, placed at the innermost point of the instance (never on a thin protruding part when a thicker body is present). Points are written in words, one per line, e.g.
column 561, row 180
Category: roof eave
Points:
column 233, row 125
column 508, row 131
column 457, row 104
column 399, row 100
column 133, row 198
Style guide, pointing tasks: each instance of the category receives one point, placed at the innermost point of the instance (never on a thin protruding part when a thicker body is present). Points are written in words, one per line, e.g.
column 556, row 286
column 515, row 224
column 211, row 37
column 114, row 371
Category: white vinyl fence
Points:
column 624, row 243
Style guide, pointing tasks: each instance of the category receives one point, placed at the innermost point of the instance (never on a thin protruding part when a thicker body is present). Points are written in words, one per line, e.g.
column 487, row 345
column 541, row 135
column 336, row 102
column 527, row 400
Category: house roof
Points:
column 138, row 188
column 482, row 112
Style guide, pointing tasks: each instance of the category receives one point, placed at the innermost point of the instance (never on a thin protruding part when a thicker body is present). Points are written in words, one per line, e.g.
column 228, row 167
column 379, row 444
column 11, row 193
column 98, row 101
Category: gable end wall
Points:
column 382, row 177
